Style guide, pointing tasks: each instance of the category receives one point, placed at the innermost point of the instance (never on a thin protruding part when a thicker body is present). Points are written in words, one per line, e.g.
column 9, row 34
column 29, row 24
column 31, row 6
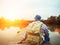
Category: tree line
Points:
column 52, row 22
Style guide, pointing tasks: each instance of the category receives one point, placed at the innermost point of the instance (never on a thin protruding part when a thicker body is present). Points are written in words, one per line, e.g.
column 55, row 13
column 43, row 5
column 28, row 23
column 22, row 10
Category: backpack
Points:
column 33, row 34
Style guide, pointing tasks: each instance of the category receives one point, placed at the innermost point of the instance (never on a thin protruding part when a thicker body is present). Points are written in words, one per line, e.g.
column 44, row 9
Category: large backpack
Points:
column 34, row 34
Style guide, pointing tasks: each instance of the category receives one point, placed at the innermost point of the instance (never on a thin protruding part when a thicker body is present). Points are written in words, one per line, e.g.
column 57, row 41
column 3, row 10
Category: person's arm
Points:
column 45, row 30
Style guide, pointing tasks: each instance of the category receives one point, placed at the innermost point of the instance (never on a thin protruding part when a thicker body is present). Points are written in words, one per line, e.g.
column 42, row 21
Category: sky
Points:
column 27, row 9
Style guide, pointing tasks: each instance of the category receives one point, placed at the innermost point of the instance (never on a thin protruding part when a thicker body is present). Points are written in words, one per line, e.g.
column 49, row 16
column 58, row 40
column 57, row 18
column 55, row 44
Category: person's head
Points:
column 37, row 17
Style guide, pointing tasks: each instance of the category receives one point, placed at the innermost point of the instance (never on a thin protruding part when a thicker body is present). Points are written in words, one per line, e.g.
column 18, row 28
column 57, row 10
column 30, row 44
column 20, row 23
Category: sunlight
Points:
column 11, row 17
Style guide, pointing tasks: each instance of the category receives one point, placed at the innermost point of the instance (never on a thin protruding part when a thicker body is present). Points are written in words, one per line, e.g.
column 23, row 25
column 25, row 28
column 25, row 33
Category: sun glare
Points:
column 11, row 17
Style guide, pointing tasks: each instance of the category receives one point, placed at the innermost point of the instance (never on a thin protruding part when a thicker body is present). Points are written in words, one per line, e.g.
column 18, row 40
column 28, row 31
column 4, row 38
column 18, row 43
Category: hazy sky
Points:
column 29, row 8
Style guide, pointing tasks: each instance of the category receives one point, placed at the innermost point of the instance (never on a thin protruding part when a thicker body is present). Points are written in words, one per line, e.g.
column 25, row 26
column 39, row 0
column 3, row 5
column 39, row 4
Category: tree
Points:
column 52, row 20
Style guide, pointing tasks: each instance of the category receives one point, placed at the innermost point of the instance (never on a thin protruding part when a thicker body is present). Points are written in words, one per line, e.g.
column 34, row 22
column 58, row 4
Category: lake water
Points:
column 55, row 38
column 10, row 38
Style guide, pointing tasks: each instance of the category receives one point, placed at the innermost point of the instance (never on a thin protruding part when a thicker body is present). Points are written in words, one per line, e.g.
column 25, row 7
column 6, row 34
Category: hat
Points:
column 37, row 17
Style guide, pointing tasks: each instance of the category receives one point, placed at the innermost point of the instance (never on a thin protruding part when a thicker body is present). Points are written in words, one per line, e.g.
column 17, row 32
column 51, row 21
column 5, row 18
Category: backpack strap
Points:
column 40, row 34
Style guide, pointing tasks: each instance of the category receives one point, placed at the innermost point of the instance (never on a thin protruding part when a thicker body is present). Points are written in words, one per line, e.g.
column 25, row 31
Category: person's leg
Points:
column 46, row 39
column 23, row 39
column 43, row 42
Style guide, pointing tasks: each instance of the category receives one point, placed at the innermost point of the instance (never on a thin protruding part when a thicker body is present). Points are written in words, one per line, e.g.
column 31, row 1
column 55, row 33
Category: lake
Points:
column 10, row 38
